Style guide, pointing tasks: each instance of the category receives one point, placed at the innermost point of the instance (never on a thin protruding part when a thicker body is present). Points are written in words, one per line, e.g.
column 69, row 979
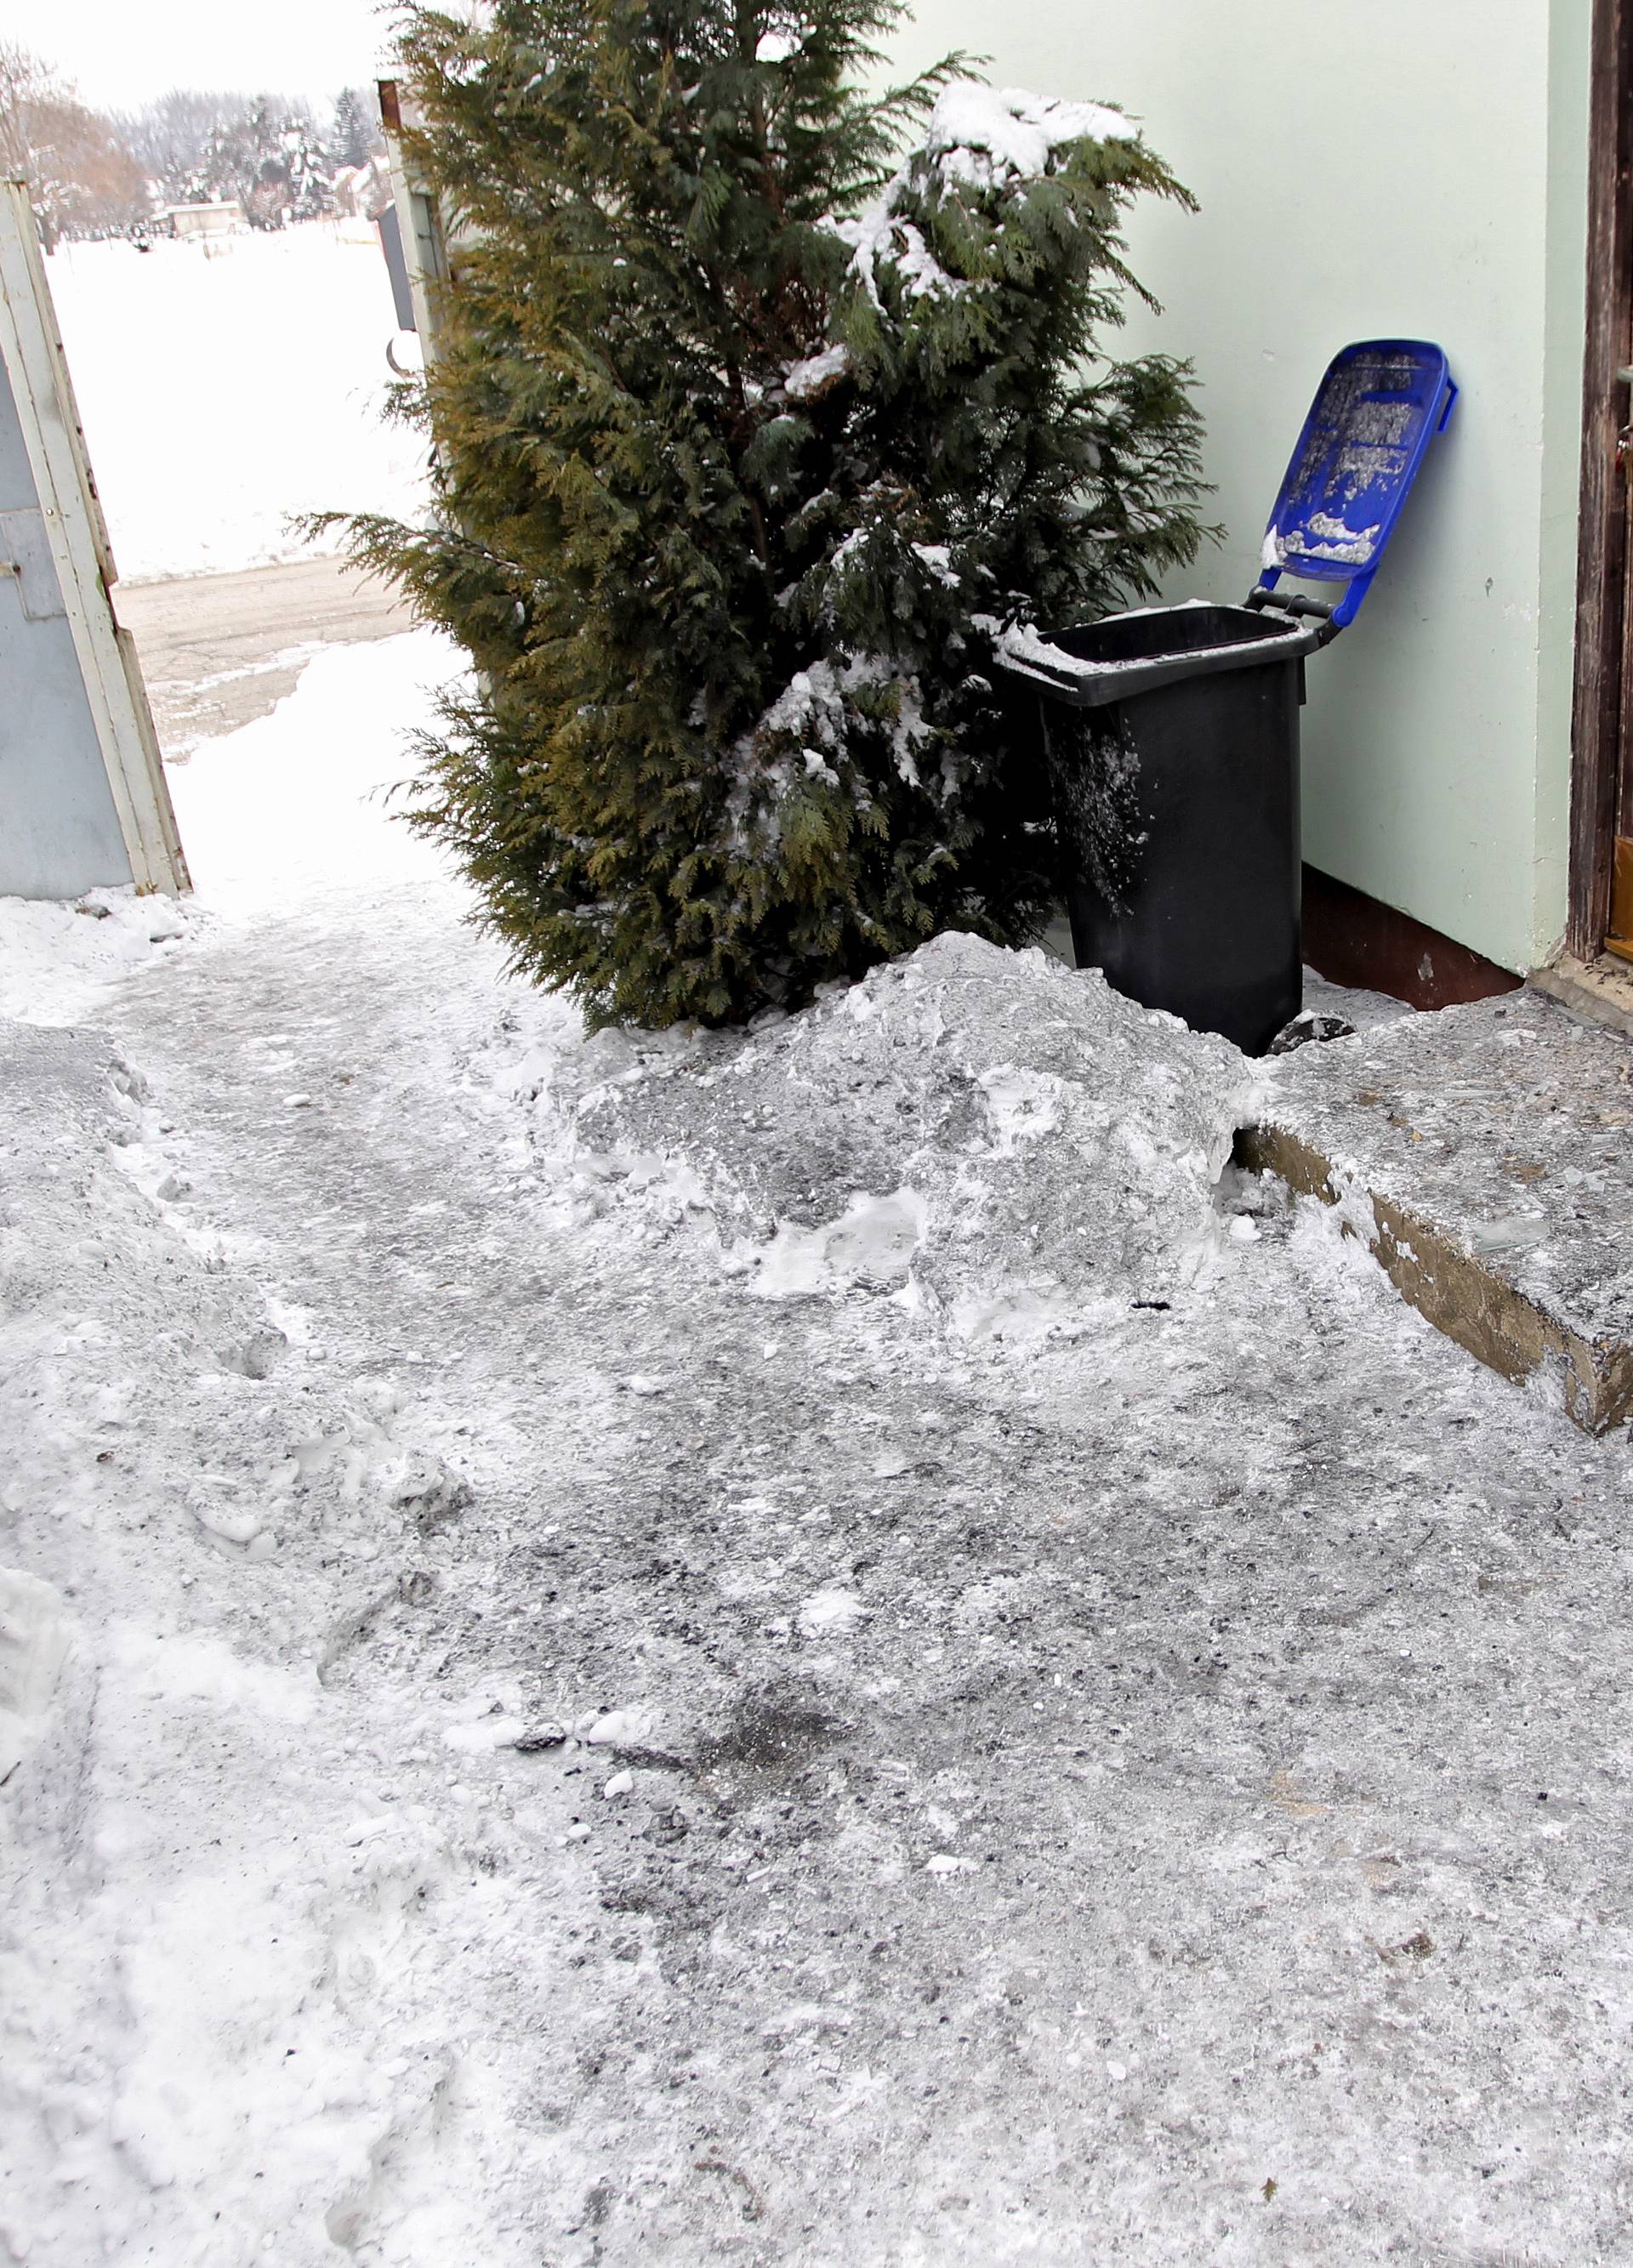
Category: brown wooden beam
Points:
column 1619, row 938
column 1602, row 541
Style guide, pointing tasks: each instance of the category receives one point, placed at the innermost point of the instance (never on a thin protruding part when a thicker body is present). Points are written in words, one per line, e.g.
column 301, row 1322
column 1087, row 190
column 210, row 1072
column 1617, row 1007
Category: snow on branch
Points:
column 818, row 374
column 1014, row 132
column 981, row 137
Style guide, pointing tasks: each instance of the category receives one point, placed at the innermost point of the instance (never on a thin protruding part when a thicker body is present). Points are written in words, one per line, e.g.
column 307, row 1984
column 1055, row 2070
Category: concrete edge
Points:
column 1594, row 990
column 1458, row 1294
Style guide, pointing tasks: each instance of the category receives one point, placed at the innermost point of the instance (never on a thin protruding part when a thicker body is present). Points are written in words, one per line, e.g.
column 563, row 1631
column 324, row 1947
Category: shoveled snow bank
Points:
column 56, row 958
column 224, row 388
column 1001, row 1139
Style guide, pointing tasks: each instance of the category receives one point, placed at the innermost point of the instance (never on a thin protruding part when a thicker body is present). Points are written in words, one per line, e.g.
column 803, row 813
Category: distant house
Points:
column 196, row 222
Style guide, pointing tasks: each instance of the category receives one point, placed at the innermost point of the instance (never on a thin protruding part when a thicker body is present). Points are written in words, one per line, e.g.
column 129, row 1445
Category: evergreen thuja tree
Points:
column 751, row 442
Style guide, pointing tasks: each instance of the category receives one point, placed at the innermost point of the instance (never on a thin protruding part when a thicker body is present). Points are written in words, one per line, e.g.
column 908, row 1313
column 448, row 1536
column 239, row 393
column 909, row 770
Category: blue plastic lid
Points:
column 1380, row 406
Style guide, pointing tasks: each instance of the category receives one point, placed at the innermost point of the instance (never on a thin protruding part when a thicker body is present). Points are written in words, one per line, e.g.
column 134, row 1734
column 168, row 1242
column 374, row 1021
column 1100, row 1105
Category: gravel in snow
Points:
column 788, row 1648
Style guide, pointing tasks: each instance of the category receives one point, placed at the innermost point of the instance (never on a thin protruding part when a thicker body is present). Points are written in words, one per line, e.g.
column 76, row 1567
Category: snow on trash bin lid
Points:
column 1380, row 404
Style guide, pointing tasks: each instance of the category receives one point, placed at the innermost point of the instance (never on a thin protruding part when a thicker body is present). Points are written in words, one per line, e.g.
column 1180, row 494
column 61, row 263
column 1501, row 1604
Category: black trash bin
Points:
column 1173, row 750
column 1173, row 732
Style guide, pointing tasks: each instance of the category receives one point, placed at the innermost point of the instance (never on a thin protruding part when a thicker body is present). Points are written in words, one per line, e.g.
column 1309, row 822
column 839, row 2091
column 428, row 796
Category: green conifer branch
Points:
column 749, row 427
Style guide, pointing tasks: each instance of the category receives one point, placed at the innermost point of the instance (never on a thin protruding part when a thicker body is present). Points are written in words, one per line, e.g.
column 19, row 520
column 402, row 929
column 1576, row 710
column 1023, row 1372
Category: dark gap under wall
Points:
column 1352, row 938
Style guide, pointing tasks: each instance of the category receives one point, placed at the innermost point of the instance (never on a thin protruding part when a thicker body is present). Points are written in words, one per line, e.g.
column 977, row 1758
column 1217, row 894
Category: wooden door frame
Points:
column 1602, row 560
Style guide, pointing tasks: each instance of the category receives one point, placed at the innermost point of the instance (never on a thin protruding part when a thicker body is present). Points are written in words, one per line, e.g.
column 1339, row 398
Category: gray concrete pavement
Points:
column 218, row 651
column 1486, row 1149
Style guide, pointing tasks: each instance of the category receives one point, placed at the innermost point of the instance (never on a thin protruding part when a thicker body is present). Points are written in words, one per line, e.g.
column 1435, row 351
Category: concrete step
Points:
column 1600, row 991
column 1485, row 1154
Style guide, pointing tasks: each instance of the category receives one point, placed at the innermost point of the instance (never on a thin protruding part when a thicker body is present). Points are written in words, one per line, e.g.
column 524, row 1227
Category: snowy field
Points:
column 831, row 1647
column 222, row 389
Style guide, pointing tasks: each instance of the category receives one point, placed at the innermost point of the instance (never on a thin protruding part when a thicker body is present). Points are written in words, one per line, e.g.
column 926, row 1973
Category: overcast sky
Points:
column 121, row 53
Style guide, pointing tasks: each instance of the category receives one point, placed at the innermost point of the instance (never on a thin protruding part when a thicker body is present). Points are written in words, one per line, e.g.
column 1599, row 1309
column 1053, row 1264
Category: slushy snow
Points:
column 782, row 1646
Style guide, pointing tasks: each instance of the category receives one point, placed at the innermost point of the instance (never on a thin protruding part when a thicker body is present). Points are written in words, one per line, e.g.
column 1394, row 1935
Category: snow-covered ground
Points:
column 224, row 388
column 828, row 1647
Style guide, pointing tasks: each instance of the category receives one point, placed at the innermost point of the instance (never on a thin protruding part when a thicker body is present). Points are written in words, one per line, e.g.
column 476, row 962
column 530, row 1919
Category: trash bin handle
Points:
column 1264, row 595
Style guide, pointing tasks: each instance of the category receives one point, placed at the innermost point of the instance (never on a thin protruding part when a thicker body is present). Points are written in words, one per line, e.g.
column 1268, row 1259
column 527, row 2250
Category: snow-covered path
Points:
column 1156, row 1794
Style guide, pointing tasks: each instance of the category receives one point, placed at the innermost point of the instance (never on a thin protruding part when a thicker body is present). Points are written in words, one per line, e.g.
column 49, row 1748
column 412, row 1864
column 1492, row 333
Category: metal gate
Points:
column 83, row 797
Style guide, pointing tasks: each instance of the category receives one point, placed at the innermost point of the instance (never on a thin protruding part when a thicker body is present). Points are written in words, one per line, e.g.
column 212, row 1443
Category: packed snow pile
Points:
column 514, row 1747
column 1002, row 1139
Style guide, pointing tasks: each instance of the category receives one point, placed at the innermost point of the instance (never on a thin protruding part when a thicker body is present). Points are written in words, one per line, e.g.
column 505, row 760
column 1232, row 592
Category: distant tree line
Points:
column 96, row 174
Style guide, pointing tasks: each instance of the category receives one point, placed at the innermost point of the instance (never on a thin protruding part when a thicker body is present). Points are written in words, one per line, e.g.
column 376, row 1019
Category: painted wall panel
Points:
column 1407, row 170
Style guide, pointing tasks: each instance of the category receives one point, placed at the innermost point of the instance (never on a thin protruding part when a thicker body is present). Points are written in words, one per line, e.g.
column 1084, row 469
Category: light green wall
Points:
column 1414, row 168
